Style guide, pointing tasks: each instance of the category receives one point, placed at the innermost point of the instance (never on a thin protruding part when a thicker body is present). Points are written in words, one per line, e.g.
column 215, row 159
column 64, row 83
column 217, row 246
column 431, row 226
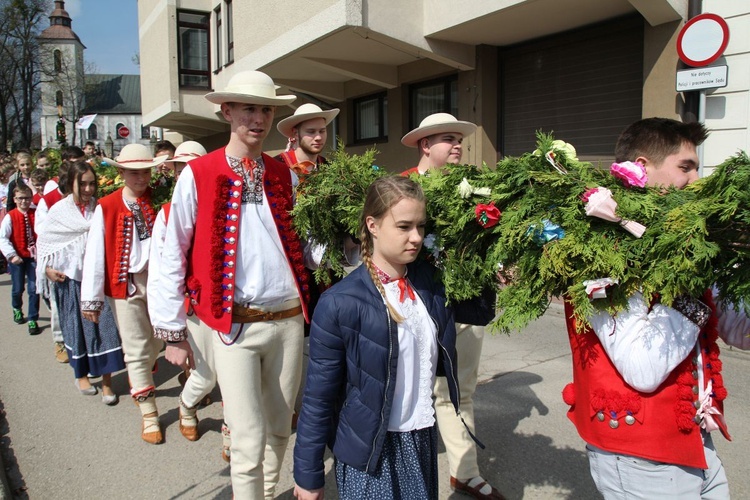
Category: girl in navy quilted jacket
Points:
column 378, row 339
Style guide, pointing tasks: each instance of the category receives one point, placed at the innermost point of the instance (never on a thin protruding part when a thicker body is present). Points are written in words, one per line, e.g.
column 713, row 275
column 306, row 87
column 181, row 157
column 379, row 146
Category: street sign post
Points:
column 702, row 40
column 713, row 77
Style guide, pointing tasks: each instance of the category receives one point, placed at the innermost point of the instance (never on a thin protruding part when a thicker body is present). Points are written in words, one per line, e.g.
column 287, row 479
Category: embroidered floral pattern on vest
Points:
column 124, row 235
column 224, row 244
column 281, row 207
column 688, row 391
column 251, row 172
column 142, row 226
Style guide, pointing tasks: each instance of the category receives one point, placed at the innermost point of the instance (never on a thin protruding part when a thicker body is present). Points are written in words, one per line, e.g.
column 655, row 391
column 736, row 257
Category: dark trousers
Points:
column 23, row 276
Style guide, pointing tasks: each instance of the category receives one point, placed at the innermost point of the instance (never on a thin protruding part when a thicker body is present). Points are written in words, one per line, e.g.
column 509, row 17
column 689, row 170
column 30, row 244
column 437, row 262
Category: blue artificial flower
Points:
column 548, row 232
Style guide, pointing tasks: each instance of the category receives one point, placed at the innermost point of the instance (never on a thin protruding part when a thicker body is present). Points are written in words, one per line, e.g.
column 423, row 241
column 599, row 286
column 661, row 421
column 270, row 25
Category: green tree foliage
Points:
column 694, row 239
column 329, row 204
column 20, row 24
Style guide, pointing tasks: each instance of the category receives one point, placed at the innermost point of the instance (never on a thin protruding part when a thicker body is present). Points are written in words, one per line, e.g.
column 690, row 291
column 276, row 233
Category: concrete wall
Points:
column 158, row 55
column 728, row 109
column 660, row 64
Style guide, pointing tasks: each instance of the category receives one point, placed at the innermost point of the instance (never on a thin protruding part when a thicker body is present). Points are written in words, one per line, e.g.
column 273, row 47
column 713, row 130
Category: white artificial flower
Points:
column 464, row 189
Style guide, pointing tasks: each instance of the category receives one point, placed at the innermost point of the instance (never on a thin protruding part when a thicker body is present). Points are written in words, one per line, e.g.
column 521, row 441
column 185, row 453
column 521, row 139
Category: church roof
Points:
column 60, row 25
column 59, row 32
column 112, row 94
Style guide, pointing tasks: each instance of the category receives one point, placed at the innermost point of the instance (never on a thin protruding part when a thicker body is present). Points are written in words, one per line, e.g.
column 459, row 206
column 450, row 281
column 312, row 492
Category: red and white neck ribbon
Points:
column 404, row 288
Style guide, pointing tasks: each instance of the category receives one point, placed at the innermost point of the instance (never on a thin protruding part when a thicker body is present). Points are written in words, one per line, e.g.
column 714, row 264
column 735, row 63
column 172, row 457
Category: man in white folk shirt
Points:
column 231, row 249
column 439, row 139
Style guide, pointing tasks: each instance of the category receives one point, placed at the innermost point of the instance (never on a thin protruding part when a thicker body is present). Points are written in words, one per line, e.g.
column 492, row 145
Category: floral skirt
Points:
column 408, row 470
column 93, row 348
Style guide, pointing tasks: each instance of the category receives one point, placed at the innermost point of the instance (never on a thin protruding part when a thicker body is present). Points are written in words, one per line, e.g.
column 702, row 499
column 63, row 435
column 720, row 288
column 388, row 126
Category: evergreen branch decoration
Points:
column 329, row 203
column 694, row 238
column 527, row 219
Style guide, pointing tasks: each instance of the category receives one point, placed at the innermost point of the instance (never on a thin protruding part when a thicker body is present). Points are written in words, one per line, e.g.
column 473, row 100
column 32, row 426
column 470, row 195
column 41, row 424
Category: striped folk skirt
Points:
column 93, row 348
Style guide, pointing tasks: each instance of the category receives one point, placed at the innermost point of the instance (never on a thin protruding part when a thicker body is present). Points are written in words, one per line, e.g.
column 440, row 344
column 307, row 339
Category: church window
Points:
column 58, row 60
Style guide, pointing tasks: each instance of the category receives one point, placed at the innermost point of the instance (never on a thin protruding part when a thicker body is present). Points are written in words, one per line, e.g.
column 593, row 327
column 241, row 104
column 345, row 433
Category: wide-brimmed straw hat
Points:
column 250, row 87
column 305, row 112
column 437, row 123
column 188, row 150
column 135, row 157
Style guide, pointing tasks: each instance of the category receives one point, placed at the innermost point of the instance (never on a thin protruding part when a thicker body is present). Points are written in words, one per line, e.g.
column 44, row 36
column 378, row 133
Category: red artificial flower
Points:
column 487, row 215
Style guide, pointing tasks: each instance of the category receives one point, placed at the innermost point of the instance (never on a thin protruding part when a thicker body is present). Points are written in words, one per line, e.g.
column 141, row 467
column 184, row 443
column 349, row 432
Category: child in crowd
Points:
column 115, row 268
column 39, row 178
column 93, row 348
column 18, row 244
column 378, row 339
column 24, row 166
column 5, row 173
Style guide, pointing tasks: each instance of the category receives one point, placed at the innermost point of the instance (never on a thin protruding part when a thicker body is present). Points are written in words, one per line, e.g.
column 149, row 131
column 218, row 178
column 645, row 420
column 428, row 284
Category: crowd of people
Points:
column 219, row 280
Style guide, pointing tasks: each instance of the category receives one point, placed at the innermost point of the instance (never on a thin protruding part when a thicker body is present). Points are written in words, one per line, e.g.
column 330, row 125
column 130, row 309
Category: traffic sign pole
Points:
column 702, row 41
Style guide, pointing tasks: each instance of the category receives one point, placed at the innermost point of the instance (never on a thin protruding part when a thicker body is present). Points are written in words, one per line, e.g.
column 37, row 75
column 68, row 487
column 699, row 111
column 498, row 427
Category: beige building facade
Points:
column 582, row 69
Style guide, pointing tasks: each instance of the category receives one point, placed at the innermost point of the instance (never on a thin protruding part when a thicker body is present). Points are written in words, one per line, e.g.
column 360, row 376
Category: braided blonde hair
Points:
column 383, row 194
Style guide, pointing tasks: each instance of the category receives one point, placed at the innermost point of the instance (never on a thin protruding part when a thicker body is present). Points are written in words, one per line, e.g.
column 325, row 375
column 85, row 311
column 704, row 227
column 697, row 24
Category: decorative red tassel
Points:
column 569, row 394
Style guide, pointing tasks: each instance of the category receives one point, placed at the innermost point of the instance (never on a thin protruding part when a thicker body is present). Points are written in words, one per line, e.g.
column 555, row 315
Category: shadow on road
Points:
column 512, row 460
column 15, row 478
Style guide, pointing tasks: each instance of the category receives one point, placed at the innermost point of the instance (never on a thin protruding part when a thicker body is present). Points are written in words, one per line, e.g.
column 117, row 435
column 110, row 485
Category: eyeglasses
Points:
column 23, row 198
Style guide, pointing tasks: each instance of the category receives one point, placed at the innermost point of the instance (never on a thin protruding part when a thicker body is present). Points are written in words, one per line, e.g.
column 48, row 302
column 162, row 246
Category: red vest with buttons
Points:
column 659, row 426
column 210, row 274
column 119, row 232
column 18, row 235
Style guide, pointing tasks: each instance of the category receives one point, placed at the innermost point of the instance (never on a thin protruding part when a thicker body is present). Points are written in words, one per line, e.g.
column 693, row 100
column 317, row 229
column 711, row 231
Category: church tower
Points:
column 62, row 79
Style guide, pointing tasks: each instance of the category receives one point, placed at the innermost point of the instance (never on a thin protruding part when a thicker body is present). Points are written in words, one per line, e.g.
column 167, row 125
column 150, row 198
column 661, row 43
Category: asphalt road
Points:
column 56, row 443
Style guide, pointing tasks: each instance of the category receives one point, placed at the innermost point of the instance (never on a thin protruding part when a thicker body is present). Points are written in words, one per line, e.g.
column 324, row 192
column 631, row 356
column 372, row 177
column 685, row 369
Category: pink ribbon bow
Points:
column 711, row 417
column 599, row 203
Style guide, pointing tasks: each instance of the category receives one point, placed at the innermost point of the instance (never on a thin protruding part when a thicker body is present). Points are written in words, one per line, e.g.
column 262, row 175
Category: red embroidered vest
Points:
column 299, row 168
column 659, row 426
column 118, row 239
column 52, row 197
column 210, row 274
column 19, row 236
